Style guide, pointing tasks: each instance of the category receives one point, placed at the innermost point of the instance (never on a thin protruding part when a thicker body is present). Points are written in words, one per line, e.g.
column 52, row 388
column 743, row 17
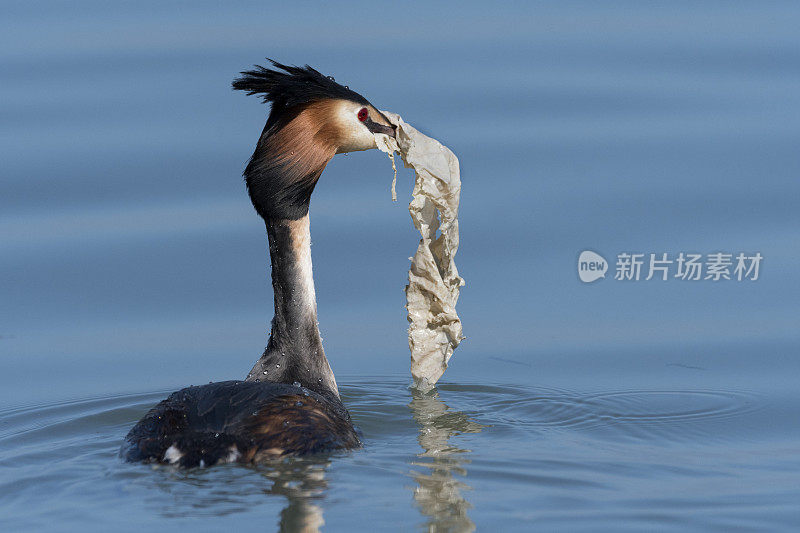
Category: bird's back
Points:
column 239, row 421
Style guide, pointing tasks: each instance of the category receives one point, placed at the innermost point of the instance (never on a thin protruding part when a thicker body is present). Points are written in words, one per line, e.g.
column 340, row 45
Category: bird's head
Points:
column 312, row 118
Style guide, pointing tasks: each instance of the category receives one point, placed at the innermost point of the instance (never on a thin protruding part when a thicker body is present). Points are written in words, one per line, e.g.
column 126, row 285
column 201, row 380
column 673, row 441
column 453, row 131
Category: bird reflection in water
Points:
column 302, row 483
column 439, row 494
column 230, row 489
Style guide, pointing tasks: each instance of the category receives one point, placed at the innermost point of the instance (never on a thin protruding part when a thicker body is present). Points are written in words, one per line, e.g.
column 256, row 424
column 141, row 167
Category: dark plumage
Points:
column 295, row 86
column 239, row 421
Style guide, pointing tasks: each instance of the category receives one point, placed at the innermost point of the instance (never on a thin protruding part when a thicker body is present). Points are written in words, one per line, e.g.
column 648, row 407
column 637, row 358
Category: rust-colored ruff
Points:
column 305, row 144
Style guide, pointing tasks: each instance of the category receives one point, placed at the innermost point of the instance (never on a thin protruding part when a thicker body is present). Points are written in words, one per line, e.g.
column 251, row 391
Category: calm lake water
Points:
column 132, row 264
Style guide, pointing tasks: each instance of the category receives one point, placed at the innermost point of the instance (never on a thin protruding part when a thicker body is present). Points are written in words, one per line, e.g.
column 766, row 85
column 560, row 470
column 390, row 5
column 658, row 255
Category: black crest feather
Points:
column 290, row 86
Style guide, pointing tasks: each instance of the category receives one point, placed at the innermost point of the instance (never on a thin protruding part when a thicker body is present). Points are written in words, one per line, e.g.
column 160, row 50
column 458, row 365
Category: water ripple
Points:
column 641, row 414
column 443, row 443
column 380, row 409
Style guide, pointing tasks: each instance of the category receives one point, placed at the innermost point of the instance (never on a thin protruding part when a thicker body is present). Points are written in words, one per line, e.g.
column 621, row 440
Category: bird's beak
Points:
column 382, row 125
column 374, row 127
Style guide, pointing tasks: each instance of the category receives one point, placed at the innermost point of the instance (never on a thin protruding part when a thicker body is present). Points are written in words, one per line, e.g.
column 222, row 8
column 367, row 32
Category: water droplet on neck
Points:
column 277, row 365
column 296, row 384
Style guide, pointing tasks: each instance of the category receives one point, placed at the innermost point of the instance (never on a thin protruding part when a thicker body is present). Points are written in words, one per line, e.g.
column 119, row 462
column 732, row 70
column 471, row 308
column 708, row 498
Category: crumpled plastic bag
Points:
column 433, row 281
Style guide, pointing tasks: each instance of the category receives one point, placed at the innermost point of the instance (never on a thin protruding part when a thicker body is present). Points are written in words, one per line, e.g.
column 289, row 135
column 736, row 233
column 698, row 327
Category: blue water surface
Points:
column 132, row 264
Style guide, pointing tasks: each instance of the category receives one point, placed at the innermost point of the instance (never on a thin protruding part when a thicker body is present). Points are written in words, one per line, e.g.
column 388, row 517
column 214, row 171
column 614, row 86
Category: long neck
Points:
column 294, row 352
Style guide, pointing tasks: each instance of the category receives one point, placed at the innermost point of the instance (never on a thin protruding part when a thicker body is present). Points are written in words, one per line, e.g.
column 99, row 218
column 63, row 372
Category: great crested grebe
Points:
column 289, row 403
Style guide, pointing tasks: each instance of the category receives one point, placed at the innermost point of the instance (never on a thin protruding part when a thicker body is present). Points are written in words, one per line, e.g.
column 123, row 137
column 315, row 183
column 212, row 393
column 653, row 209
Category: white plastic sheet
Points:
column 433, row 281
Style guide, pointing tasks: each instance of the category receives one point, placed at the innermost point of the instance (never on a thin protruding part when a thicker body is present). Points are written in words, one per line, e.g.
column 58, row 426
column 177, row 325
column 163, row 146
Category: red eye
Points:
column 363, row 114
